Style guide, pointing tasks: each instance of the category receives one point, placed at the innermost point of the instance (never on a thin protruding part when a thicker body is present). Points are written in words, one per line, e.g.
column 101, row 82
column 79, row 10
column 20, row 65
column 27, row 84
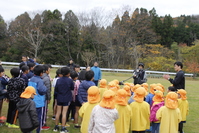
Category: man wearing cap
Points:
column 140, row 75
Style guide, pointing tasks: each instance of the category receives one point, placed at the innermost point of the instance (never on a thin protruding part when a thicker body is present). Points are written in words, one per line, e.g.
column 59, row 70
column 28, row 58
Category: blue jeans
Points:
column 155, row 127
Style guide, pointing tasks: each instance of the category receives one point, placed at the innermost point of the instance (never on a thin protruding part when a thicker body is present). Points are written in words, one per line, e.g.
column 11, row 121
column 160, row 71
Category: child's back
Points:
column 85, row 112
column 103, row 115
column 169, row 115
column 86, row 109
column 122, row 124
column 28, row 118
column 169, row 119
column 63, row 89
column 140, row 111
column 83, row 87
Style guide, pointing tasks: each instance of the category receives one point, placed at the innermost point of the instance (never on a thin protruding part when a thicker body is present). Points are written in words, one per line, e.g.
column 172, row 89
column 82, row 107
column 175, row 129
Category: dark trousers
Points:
column 155, row 127
column 138, row 131
column 40, row 118
column 12, row 112
column 45, row 109
column 71, row 111
column 96, row 82
column 180, row 128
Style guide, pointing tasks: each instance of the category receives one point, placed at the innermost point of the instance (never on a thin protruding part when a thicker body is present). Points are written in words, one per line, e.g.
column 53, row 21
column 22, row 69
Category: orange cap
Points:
column 28, row 92
column 127, row 89
column 135, row 87
column 171, row 100
column 130, row 85
column 158, row 84
column 93, row 94
column 183, row 94
column 158, row 96
column 116, row 81
column 145, row 85
column 140, row 93
column 112, row 86
column 121, row 97
column 152, row 86
column 103, row 83
column 159, row 88
column 108, row 100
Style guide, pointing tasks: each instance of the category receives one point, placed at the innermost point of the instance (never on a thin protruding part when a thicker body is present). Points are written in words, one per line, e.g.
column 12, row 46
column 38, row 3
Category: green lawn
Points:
column 191, row 87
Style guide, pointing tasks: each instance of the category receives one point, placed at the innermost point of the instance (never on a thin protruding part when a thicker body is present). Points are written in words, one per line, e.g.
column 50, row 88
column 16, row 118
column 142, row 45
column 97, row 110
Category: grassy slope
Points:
column 191, row 87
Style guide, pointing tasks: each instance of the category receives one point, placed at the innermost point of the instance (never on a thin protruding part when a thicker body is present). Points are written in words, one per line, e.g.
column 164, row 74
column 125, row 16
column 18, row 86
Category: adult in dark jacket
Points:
column 179, row 80
column 71, row 65
column 28, row 118
column 140, row 75
column 83, row 87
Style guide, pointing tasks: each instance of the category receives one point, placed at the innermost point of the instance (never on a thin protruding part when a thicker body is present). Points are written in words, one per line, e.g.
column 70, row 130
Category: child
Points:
column 28, row 119
column 112, row 86
column 150, row 96
column 169, row 115
column 123, row 123
column 103, row 87
column 183, row 105
column 3, row 91
column 58, row 75
column 140, row 112
column 41, row 89
column 86, row 109
column 25, row 71
column 133, row 90
column 63, row 88
column 83, row 87
column 77, row 69
column 46, row 79
column 128, row 91
column 171, row 89
column 31, row 68
column 103, row 115
column 158, row 102
column 71, row 108
column 16, row 86
column 81, row 78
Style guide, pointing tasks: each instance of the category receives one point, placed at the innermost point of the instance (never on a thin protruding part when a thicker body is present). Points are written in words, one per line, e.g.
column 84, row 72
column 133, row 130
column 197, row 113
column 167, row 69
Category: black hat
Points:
column 141, row 64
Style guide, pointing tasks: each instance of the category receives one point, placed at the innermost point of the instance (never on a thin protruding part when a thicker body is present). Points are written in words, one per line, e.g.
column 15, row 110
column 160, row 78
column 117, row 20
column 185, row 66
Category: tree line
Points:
column 140, row 36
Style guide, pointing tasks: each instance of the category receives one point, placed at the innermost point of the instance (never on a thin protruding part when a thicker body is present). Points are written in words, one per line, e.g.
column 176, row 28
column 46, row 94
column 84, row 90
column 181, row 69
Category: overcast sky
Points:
column 10, row 9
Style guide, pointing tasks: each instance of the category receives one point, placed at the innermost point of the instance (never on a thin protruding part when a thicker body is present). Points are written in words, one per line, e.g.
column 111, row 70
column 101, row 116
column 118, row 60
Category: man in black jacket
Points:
column 140, row 75
column 179, row 80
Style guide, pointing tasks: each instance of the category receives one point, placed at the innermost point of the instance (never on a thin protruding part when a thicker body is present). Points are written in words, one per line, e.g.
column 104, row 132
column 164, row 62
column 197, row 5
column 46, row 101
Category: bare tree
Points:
column 88, row 57
column 35, row 37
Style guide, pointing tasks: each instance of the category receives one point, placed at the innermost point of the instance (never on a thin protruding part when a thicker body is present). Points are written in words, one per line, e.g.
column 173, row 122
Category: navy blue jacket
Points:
column 63, row 88
column 82, row 91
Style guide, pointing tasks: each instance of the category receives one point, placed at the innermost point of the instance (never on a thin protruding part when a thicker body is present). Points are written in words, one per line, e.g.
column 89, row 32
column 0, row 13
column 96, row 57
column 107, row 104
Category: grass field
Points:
column 192, row 88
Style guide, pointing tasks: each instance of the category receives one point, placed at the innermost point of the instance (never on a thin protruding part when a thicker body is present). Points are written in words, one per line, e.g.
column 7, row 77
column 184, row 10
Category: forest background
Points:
column 122, row 42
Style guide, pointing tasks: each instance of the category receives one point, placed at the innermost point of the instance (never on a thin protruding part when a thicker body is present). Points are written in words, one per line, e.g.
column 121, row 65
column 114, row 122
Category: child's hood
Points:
column 23, row 104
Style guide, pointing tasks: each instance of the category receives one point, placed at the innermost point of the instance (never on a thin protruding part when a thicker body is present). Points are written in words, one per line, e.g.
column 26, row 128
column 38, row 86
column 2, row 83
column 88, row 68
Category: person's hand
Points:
column 166, row 76
column 48, row 101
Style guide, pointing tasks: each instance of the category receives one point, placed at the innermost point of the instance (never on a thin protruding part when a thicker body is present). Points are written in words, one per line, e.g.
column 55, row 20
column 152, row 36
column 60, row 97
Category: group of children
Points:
column 20, row 98
column 146, row 112
column 107, row 108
